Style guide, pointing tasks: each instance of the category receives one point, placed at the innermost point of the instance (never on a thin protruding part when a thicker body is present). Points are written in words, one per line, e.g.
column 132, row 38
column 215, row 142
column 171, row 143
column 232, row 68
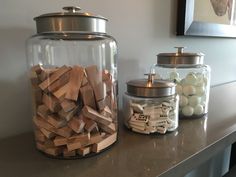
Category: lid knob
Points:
column 180, row 50
column 150, row 80
column 72, row 9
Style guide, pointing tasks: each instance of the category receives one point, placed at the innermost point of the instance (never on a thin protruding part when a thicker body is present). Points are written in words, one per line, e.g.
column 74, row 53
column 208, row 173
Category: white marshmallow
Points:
column 187, row 111
column 194, row 100
column 191, row 79
column 200, row 90
column 189, row 90
column 136, row 107
column 174, row 75
column 179, row 89
column 183, row 101
column 198, row 109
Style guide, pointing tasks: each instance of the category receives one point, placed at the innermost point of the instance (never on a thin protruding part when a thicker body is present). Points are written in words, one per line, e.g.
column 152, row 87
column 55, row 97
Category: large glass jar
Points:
column 73, row 73
column 151, row 106
column 192, row 78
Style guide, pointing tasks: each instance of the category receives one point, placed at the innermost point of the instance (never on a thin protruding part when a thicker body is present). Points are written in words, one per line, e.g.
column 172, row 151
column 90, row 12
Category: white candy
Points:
column 200, row 90
column 187, row 111
column 194, row 100
column 198, row 110
column 174, row 76
column 191, row 79
column 189, row 90
column 136, row 107
column 183, row 100
column 179, row 89
column 161, row 130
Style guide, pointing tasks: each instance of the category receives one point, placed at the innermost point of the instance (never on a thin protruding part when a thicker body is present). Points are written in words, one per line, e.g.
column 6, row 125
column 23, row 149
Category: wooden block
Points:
column 84, row 137
column 60, row 141
column 90, row 125
column 64, row 131
column 43, row 111
column 99, row 91
column 106, row 112
column 106, row 142
column 106, row 75
column 95, row 138
column 109, row 128
column 60, row 82
column 37, row 69
column 93, row 75
column 34, row 78
column 49, row 144
column 108, row 102
column 53, row 151
column 47, row 133
column 76, row 79
column 76, row 124
column 42, row 123
column 73, row 145
column 88, row 96
column 55, row 75
column 85, row 81
column 76, row 142
column 51, row 102
column 101, row 104
column 40, row 146
column 39, row 136
column 84, row 150
column 61, row 92
column 36, row 95
column 56, row 121
column 67, row 105
column 94, row 115
column 46, row 73
column 68, row 115
column 109, row 86
column 67, row 153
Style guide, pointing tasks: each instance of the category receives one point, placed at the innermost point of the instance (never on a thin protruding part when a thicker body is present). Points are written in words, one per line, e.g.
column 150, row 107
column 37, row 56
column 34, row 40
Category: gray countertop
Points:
column 135, row 155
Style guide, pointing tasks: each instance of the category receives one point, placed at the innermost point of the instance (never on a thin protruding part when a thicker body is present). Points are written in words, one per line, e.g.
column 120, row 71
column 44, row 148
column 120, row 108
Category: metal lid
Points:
column 70, row 21
column 179, row 58
column 150, row 87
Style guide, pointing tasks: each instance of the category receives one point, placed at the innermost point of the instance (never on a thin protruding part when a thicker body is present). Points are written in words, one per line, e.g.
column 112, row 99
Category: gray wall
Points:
column 143, row 29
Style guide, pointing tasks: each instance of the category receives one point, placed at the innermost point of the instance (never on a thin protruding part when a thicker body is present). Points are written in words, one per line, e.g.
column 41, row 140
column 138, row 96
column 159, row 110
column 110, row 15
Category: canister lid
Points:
column 70, row 21
column 180, row 58
column 150, row 88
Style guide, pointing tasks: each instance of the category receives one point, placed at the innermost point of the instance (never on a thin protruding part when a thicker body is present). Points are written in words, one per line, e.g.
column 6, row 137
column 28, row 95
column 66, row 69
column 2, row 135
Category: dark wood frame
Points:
column 188, row 27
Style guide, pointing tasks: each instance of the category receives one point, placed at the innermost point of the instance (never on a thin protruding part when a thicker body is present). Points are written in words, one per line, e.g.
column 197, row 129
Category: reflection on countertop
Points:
column 135, row 155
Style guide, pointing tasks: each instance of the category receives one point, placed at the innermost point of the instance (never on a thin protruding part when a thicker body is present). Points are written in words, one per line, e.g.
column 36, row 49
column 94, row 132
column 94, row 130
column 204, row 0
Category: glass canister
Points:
column 192, row 78
column 151, row 106
column 73, row 73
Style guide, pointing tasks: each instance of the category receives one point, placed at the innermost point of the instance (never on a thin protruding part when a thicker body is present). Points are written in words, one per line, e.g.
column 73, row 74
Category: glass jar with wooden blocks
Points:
column 151, row 106
column 73, row 77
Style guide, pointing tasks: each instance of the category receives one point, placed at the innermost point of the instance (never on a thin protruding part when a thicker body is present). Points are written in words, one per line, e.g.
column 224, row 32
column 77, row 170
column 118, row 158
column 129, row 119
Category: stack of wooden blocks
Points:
column 75, row 110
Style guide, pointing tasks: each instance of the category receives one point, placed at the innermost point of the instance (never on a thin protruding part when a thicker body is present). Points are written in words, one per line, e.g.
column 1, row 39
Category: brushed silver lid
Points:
column 150, row 88
column 179, row 58
column 70, row 21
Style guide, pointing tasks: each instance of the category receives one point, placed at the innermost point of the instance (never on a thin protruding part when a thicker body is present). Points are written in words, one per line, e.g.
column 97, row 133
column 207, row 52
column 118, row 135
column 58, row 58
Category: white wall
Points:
column 143, row 29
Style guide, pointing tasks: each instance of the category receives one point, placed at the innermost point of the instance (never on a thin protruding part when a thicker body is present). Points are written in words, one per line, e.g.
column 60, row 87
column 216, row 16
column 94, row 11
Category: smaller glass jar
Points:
column 192, row 77
column 151, row 106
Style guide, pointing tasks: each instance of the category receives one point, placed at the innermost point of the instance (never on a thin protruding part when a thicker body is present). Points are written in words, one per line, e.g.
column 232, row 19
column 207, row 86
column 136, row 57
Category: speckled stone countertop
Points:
column 135, row 155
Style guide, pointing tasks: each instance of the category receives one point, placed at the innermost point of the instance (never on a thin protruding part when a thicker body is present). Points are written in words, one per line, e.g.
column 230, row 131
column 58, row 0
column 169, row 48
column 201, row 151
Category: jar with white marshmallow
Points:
column 192, row 78
column 151, row 106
